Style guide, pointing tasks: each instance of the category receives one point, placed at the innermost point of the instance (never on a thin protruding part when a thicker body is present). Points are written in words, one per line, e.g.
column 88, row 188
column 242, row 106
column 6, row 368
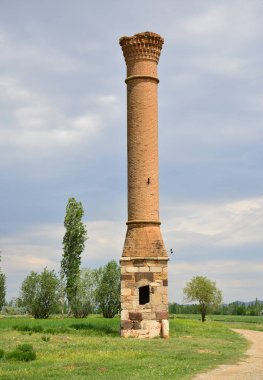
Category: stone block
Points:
column 125, row 325
column 155, row 269
column 156, row 299
column 143, row 269
column 127, row 305
column 144, row 275
column 126, row 277
column 161, row 307
column 162, row 315
column 135, row 316
column 165, row 329
column 125, row 292
column 165, row 282
column 132, row 269
column 130, row 333
column 124, row 315
column 123, row 270
column 152, row 327
column 138, row 263
column 148, row 316
column 136, row 325
column 158, row 276
column 162, row 290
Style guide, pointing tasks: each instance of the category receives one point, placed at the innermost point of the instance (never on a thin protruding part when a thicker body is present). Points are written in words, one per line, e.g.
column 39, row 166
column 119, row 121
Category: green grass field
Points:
column 92, row 349
column 232, row 321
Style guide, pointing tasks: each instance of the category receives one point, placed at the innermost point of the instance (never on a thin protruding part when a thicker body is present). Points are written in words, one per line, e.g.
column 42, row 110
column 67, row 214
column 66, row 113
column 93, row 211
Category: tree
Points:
column 39, row 293
column 85, row 301
column 204, row 291
column 73, row 246
column 108, row 291
column 2, row 287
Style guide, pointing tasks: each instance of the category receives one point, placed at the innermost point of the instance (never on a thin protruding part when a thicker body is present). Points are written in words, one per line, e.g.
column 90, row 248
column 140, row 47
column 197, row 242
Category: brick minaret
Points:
column 144, row 298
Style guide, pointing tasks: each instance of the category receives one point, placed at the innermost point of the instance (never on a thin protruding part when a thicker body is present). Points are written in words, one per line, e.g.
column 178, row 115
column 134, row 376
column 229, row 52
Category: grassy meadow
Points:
column 92, row 349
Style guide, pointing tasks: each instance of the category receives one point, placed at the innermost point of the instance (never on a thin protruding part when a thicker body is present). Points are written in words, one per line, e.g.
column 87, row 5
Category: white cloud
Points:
column 234, row 23
column 35, row 247
column 223, row 64
column 222, row 224
column 37, row 127
column 219, row 35
column 41, row 56
column 238, row 280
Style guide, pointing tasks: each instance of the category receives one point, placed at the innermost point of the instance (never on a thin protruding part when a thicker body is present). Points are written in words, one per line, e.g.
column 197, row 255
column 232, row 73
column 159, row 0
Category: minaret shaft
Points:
column 143, row 202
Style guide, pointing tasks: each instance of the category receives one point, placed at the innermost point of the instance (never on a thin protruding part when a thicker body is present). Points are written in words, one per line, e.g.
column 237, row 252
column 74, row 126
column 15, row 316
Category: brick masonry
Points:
column 144, row 258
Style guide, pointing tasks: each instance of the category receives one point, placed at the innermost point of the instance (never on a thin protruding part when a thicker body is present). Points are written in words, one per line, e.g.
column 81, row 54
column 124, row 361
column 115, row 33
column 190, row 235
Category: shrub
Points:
column 45, row 338
column 23, row 352
column 25, row 347
column 36, row 329
column 39, row 293
column 2, row 352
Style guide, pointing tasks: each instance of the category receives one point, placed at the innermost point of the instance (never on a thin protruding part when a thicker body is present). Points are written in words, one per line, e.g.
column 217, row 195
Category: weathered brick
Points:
column 143, row 239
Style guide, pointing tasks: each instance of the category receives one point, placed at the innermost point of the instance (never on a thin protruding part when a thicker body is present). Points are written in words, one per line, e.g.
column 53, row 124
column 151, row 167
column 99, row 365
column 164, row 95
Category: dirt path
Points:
column 250, row 368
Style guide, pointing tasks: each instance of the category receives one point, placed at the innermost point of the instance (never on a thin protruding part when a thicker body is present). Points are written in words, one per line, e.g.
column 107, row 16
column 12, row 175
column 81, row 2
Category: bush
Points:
column 25, row 347
column 23, row 352
column 39, row 293
column 2, row 352
column 27, row 328
column 45, row 338
column 38, row 329
column 80, row 308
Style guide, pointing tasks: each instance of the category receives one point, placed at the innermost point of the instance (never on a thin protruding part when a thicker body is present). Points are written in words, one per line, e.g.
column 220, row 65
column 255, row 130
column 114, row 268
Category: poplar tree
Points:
column 73, row 246
column 2, row 287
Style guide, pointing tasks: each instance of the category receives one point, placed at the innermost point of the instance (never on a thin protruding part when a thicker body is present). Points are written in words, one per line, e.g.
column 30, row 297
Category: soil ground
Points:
column 249, row 368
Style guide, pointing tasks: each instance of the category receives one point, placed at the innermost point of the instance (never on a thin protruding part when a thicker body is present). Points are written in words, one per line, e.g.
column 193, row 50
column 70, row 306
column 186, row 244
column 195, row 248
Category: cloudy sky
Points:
column 63, row 134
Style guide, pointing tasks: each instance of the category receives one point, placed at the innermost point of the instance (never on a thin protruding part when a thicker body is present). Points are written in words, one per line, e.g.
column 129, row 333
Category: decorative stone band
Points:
column 143, row 222
column 145, row 45
column 131, row 258
column 141, row 77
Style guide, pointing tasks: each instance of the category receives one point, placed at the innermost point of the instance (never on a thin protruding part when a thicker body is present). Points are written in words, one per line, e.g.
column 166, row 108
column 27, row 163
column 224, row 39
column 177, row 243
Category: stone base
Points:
column 147, row 319
column 144, row 282
column 148, row 329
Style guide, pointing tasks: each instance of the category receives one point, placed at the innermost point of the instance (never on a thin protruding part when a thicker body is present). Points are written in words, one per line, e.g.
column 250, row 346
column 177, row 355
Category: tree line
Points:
column 253, row 308
column 74, row 291
column 79, row 292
